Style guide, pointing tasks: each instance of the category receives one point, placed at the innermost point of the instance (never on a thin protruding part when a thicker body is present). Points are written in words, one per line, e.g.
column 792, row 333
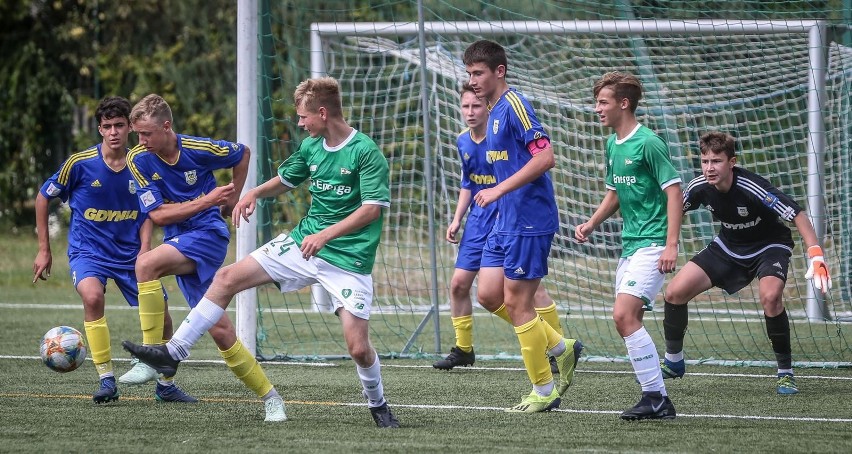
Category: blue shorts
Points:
column 208, row 250
column 522, row 257
column 124, row 279
column 470, row 249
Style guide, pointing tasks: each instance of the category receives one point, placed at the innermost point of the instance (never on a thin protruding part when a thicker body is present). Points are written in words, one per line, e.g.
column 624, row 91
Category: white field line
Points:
column 735, row 316
column 799, row 375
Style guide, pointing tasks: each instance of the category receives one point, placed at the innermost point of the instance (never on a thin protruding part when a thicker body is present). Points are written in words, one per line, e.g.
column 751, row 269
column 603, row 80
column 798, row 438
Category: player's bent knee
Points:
column 226, row 282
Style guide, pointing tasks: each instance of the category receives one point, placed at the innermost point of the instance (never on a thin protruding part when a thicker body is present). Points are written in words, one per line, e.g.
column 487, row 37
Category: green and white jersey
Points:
column 342, row 179
column 638, row 169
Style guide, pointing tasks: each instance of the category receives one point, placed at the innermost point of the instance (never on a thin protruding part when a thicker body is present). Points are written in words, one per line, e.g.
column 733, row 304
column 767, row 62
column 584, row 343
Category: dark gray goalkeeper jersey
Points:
column 751, row 213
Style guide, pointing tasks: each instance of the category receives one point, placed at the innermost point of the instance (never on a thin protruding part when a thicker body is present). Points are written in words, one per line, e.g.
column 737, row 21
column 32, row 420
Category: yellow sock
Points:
column 152, row 310
column 97, row 334
column 246, row 368
column 533, row 340
column 550, row 315
column 503, row 313
column 464, row 332
column 552, row 327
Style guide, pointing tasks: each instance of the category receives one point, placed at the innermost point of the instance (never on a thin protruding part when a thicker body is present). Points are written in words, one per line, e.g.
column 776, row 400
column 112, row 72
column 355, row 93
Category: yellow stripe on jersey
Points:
column 519, row 109
column 202, row 145
column 132, row 165
column 65, row 171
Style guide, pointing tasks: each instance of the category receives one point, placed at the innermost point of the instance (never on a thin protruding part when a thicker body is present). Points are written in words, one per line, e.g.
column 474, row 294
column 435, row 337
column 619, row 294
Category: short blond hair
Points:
column 623, row 85
column 312, row 94
column 152, row 107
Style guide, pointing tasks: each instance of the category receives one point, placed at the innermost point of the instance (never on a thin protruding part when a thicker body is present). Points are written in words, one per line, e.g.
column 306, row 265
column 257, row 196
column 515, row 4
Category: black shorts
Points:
column 732, row 274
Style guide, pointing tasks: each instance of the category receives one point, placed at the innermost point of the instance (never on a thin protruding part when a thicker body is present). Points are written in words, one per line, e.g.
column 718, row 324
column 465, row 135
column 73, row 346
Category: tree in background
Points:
column 61, row 57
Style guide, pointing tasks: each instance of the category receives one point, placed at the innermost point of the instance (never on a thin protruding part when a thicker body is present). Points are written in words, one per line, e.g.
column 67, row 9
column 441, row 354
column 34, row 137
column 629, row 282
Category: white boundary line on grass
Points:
column 461, row 407
column 471, row 368
column 623, row 372
column 737, row 316
column 200, row 361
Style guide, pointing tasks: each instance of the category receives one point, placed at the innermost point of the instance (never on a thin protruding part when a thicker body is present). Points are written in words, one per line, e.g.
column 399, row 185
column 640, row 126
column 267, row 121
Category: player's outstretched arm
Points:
column 239, row 175
column 817, row 269
column 172, row 213
column 247, row 204
column 359, row 218
column 608, row 207
column 44, row 258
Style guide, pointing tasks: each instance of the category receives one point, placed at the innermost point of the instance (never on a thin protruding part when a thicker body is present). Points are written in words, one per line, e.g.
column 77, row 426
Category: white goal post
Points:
column 248, row 116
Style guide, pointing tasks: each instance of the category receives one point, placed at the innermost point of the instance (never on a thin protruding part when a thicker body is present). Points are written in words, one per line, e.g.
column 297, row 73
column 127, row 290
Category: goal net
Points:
column 752, row 82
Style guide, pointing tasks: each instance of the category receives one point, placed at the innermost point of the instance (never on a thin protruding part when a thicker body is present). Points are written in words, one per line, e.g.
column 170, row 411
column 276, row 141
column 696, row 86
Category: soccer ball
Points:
column 62, row 349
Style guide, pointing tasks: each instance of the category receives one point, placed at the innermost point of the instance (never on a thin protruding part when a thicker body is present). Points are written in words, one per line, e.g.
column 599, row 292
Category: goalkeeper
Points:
column 751, row 243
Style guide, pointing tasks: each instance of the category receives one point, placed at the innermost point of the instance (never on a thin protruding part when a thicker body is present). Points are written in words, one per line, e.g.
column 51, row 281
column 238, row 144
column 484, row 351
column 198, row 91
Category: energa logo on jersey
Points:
column 191, row 176
column 624, row 179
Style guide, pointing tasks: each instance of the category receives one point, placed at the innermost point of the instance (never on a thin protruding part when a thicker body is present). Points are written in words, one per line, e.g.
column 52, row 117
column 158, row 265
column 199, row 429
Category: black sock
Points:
column 778, row 330
column 674, row 326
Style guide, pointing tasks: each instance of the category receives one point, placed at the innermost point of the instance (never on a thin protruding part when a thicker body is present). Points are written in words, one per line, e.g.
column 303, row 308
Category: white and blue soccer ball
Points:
column 63, row 349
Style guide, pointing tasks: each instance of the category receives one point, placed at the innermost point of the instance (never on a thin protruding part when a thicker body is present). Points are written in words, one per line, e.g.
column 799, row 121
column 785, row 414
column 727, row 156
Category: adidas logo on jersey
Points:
column 175, row 239
column 520, row 271
column 96, row 184
column 345, row 171
column 778, row 265
column 156, row 176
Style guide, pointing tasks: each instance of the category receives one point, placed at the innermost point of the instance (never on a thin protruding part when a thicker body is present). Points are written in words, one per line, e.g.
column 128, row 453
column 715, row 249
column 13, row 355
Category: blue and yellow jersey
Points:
column 105, row 214
column 531, row 209
column 477, row 174
column 189, row 178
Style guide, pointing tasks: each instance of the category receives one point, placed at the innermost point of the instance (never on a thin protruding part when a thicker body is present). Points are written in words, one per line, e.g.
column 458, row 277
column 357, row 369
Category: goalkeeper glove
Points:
column 818, row 271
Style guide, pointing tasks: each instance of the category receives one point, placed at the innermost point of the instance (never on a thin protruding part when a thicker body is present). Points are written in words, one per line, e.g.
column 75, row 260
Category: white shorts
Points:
column 283, row 261
column 638, row 275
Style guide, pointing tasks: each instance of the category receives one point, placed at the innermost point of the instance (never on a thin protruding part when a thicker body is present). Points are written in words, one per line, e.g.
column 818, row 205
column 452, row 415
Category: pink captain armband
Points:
column 538, row 145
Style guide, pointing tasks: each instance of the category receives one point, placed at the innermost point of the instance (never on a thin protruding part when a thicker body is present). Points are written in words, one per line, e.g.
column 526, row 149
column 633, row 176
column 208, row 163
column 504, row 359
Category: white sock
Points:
column 558, row 349
column 545, row 389
column 785, row 371
column 371, row 380
column 646, row 362
column 200, row 319
column 675, row 357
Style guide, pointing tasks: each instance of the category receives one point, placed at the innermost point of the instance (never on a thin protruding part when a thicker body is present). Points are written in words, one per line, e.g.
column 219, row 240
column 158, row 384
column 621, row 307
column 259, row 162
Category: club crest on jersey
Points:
column 495, row 126
column 742, row 211
column 191, row 176
column 131, row 186
column 313, row 168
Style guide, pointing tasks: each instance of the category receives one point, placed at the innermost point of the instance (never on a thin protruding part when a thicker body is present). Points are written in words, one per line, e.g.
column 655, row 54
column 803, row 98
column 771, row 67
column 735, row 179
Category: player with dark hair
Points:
column 514, row 258
column 752, row 243
column 179, row 192
column 106, row 233
column 334, row 244
column 642, row 182
column 477, row 174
